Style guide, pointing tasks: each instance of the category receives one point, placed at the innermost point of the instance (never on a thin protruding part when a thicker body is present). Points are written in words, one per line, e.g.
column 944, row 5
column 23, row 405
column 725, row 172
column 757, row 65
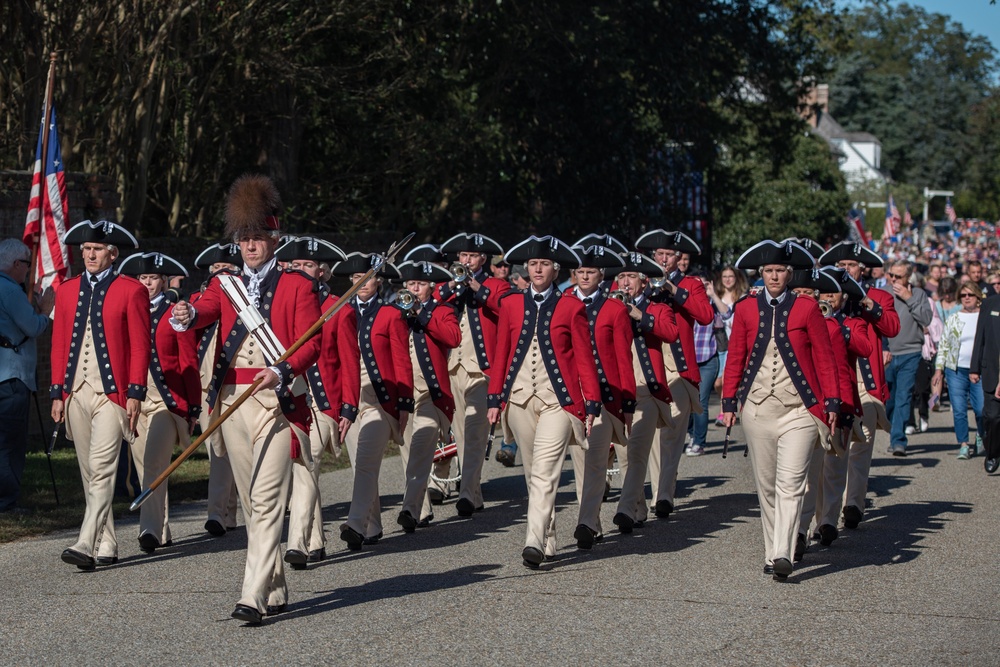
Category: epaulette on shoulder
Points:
column 511, row 292
column 754, row 291
column 298, row 272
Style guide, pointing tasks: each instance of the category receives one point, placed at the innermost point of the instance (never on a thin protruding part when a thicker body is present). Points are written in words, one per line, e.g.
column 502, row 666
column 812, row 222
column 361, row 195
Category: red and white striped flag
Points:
column 949, row 210
column 48, row 210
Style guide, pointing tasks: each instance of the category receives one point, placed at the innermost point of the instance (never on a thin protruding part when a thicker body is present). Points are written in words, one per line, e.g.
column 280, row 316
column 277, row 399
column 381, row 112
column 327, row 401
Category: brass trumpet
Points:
column 407, row 302
column 460, row 272
column 826, row 308
column 621, row 296
column 658, row 283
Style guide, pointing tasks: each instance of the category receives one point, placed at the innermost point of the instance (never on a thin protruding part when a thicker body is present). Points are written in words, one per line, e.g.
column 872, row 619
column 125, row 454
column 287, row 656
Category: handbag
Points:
column 721, row 339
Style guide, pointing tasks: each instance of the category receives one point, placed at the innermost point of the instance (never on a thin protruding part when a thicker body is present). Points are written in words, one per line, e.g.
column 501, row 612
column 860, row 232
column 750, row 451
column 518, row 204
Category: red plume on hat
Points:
column 252, row 207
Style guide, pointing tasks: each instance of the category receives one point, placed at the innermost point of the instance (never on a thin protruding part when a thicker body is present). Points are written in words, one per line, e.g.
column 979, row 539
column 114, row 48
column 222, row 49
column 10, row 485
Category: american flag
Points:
column 949, row 210
column 856, row 227
column 892, row 220
column 48, row 210
column 907, row 218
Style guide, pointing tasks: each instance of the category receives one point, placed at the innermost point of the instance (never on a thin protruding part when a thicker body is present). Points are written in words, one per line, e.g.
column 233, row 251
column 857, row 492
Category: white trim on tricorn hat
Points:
column 848, row 285
column 851, row 251
column 466, row 242
column 543, row 247
column 101, row 231
column 605, row 240
column 787, row 253
column 361, row 262
column 426, row 252
column 661, row 238
column 151, row 263
column 636, row 262
column 814, row 279
column 813, row 248
column 599, row 257
column 426, row 271
column 308, row 247
column 219, row 252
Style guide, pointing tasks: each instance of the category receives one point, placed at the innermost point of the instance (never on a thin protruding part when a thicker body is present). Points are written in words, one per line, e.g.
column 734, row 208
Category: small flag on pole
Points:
column 907, row 218
column 949, row 210
column 48, row 210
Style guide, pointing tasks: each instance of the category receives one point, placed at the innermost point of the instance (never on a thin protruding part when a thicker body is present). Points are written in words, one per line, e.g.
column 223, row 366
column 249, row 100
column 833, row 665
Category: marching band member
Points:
column 786, row 382
column 879, row 311
column 266, row 433
column 173, row 400
column 654, row 327
column 476, row 295
column 384, row 396
column 434, row 332
column 99, row 393
column 849, row 342
column 611, row 342
column 306, row 540
column 222, row 494
column 550, row 391
column 687, row 298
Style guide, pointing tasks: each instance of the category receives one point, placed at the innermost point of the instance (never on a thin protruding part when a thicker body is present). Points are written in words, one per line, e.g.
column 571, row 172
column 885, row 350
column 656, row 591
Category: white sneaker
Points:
column 688, row 440
column 909, row 430
column 923, row 425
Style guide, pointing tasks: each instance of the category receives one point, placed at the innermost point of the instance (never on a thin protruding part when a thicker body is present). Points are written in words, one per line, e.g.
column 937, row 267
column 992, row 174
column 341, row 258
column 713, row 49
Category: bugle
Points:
column 407, row 302
column 460, row 272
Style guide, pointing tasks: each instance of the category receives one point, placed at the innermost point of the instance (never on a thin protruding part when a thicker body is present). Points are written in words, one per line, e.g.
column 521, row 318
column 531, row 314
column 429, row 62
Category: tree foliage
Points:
column 501, row 115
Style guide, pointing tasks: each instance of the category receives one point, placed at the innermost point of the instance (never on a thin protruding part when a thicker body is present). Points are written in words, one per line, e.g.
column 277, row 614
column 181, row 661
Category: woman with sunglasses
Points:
column 953, row 361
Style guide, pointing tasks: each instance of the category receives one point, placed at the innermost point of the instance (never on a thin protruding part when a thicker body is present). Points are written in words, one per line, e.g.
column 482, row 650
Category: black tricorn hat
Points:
column 464, row 242
column 660, row 238
column 151, row 262
column 427, row 252
column 219, row 252
column 425, row 271
column 307, row 247
column 848, row 285
column 102, row 231
column 813, row 248
column 605, row 240
column 850, row 251
column 599, row 257
column 814, row 279
column 360, row 262
column 636, row 262
column 543, row 247
column 766, row 252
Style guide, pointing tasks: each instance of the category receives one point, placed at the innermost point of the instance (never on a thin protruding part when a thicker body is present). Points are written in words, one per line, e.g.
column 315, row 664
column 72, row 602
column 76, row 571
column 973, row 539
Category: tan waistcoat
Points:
column 532, row 379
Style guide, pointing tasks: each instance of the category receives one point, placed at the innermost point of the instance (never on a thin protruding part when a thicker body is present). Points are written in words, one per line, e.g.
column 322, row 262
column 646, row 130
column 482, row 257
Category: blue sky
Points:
column 978, row 17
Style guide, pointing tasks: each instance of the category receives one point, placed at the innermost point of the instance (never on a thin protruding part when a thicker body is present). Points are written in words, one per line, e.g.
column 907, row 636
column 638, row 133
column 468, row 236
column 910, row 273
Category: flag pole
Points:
column 46, row 115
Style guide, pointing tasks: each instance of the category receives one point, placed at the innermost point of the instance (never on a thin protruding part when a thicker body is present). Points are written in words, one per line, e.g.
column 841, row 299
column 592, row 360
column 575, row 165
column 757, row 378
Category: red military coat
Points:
column 483, row 308
column 657, row 327
column 333, row 370
column 883, row 323
column 119, row 312
column 173, row 363
column 853, row 332
column 384, row 347
column 436, row 332
column 611, row 337
column 690, row 304
column 564, row 339
column 289, row 305
column 803, row 343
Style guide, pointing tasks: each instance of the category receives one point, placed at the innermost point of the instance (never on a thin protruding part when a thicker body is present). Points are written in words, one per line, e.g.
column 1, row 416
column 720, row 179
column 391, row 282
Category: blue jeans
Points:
column 962, row 393
column 699, row 423
column 900, row 375
column 15, row 401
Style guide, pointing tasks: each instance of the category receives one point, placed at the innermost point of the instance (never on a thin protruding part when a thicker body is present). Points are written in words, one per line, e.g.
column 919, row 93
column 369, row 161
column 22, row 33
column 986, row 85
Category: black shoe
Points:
column 374, row 539
column 406, row 520
column 852, row 517
column 991, row 465
column 464, row 507
column 426, row 521
column 663, row 508
column 317, row 555
column 532, row 557
column 353, row 538
column 506, row 457
column 296, row 558
column 74, row 557
column 782, row 568
column 624, row 522
column 436, row 496
column 106, row 560
column 248, row 615
column 214, row 528
column 827, row 534
column 275, row 609
column 148, row 542
column 801, row 544
column 584, row 537
column 768, row 569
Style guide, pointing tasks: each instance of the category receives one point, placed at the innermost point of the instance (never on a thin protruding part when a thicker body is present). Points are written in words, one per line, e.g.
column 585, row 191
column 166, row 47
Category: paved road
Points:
column 914, row 585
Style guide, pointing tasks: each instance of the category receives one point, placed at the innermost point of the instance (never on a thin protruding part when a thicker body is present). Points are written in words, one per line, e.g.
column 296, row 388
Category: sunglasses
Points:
column 971, row 296
column 897, row 276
